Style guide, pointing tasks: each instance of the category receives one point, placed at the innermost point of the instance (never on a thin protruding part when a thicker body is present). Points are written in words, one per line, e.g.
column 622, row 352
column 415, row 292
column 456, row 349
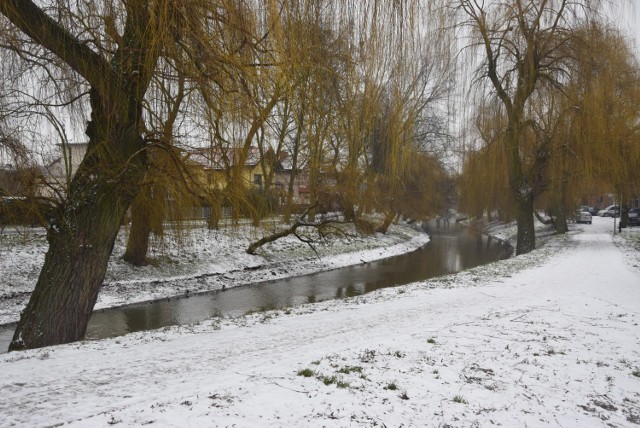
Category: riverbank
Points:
column 196, row 259
column 550, row 338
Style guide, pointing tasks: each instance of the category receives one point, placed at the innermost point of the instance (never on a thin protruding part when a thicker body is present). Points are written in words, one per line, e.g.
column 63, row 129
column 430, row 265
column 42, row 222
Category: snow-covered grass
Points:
column 550, row 338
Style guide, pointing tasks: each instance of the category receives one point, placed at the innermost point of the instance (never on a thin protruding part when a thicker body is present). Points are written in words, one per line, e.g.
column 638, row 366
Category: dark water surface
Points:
column 452, row 248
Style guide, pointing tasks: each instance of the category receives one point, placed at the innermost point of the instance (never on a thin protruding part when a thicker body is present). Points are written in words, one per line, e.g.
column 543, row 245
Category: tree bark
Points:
column 560, row 221
column 526, row 237
column 294, row 173
column 213, row 222
column 80, row 244
column 388, row 219
column 138, row 242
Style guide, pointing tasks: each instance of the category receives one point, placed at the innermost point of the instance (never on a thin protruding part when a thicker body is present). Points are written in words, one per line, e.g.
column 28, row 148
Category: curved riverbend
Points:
column 452, row 248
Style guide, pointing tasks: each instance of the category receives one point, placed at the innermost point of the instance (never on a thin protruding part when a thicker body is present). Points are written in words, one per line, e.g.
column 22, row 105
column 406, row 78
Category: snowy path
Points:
column 553, row 345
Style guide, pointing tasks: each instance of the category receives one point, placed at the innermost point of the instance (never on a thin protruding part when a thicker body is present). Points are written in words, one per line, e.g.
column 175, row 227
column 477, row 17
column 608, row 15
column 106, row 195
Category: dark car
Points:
column 634, row 217
column 591, row 210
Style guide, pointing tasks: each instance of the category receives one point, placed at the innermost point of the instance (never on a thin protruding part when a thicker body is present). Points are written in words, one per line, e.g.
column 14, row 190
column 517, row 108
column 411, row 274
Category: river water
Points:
column 452, row 248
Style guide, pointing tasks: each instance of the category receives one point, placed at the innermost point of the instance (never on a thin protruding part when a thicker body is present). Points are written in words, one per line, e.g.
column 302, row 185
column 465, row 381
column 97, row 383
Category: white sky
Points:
column 627, row 17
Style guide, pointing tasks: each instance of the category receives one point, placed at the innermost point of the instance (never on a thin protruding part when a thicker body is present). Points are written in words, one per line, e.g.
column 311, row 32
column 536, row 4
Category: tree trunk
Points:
column 138, row 242
column 288, row 205
column 624, row 217
column 213, row 222
column 526, row 238
column 82, row 234
column 74, row 268
column 560, row 221
column 388, row 219
column 294, row 167
column 149, row 202
column 80, row 245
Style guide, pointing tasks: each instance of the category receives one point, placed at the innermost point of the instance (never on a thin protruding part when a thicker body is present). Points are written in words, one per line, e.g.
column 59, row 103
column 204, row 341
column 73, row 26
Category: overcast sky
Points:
column 627, row 17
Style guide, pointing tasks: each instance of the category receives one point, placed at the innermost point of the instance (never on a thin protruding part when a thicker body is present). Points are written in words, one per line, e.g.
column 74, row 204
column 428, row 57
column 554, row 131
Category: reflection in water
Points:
column 452, row 248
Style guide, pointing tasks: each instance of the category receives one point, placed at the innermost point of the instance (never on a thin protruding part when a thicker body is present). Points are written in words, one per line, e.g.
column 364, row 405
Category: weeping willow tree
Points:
column 582, row 131
column 363, row 82
column 318, row 57
column 157, row 82
column 163, row 179
column 408, row 150
column 520, row 46
column 401, row 178
column 604, row 130
column 110, row 51
column 484, row 184
column 592, row 126
column 394, row 88
column 336, row 62
column 312, row 50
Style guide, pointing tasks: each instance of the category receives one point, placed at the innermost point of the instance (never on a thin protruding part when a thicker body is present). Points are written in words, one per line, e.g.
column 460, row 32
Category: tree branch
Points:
column 293, row 230
column 42, row 29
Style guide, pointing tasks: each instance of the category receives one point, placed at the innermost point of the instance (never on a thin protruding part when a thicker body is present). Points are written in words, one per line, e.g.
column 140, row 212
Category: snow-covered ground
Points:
column 196, row 259
column 546, row 339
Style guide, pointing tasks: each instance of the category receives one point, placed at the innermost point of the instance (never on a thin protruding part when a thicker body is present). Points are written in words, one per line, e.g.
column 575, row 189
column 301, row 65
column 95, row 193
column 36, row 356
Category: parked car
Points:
column 610, row 211
column 634, row 217
column 589, row 209
column 583, row 216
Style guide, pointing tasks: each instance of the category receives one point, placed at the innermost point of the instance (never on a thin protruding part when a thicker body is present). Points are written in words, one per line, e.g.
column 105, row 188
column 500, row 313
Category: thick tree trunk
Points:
column 526, row 238
column 82, row 235
column 560, row 221
column 68, row 286
column 76, row 262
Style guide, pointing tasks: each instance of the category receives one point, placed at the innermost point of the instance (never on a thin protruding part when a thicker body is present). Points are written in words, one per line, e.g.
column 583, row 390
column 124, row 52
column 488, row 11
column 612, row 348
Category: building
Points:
column 213, row 166
column 61, row 170
column 282, row 177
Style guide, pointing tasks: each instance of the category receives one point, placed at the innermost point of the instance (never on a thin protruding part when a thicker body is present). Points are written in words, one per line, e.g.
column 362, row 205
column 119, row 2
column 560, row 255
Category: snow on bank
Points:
column 198, row 260
column 549, row 339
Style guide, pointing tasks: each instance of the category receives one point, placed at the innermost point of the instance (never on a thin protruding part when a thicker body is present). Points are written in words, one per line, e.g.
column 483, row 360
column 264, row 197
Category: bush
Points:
column 22, row 211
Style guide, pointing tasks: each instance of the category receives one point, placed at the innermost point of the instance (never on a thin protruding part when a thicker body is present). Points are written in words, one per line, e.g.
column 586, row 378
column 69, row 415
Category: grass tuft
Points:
column 306, row 373
column 329, row 380
column 350, row 369
column 459, row 399
column 342, row 384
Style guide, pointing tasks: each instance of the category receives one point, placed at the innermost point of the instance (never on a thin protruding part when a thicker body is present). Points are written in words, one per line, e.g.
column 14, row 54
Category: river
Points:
column 452, row 248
